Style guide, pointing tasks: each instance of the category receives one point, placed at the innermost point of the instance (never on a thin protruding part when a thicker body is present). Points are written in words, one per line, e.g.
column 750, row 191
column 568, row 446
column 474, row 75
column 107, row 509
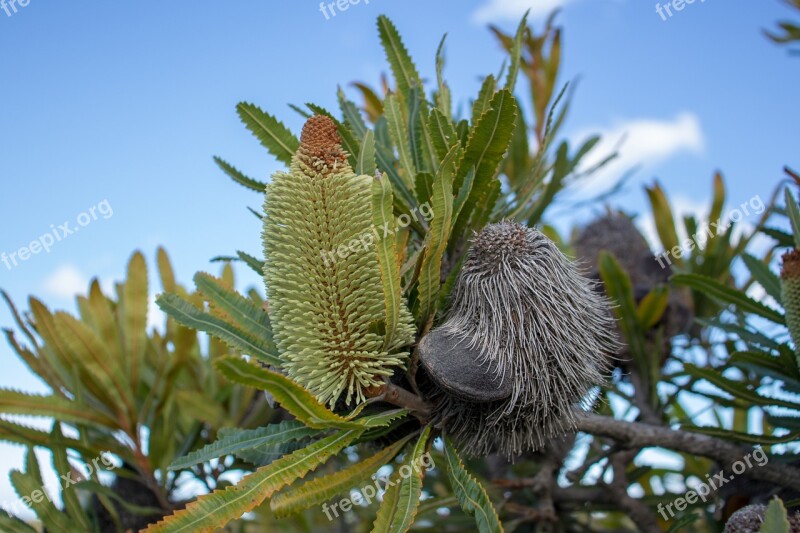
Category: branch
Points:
column 639, row 435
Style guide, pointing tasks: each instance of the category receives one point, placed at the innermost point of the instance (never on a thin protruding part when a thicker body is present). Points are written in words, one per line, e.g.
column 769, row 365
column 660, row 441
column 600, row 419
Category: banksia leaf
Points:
column 471, row 495
column 322, row 272
column 215, row 510
column 790, row 296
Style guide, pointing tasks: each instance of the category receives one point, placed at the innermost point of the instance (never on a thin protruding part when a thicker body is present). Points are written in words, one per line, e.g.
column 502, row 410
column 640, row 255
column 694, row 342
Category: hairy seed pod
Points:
column 790, row 296
column 616, row 233
column 322, row 273
column 749, row 519
column 529, row 327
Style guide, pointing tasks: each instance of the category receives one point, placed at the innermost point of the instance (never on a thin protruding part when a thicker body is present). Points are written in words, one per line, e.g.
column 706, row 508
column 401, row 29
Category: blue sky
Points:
column 127, row 103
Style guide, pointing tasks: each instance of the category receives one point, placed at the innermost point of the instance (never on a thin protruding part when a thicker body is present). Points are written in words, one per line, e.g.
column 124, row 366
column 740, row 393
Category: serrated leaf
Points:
column 29, row 484
column 366, row 157
column 245, row 439
column 323, row 488
column 11, row 524
column 793, row 212
column 239, row 177
column 438, row 235
column 398, row 132
column 483, row 103
column 471, row 495
column 134, row 315
column 274, row 136
column 72, row 504
column 516, row 53
column 763, row 275
column 398, row 329
column 727, row 295
column 292, row 397
column 405, row 73
column 352, row 116
column 190, row 316
column 443, row 133
column 665, row 221
column 215, row 510
column 486, row 147
column 240, row 310
column 13, row 402
column 736, row 388
column 401, row 500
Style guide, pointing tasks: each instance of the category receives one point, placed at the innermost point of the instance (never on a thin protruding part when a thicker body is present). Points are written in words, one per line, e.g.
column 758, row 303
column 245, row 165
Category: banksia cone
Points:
column 322, row 274
column 790, row 296
column 750, row 519
column 617, row 234
column 522, row 344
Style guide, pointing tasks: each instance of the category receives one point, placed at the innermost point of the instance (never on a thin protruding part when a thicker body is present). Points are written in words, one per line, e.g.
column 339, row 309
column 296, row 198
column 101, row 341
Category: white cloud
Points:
column 640, row 143
column 65, row 282
column 681, row 207
column 504, row 10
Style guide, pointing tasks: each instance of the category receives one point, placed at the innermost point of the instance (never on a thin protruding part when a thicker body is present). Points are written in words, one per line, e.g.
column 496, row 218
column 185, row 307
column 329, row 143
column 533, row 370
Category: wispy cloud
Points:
column 640, row 143
column 505, row 10
column 65, row 282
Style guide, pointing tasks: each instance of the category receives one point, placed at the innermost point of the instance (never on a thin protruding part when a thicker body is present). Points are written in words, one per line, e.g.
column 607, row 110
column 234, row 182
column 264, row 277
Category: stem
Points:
column 401, row 397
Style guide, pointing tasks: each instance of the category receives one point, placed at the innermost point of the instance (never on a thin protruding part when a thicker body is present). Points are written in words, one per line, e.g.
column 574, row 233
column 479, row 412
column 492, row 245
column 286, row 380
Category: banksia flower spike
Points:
column 322, row 273
column 790, row 296
column 522, row 345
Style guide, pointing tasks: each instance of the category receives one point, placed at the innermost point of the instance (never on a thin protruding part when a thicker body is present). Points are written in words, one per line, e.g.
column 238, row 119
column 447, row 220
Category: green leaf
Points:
column 399, row 134
column 738, row 436
column 483, row 103
column 737, row 389
column 352, row 117
column 398, row 319
column 405, row 73
column 190, row 316
column 776, row 519
column 246, row 439
column 442, row 96
column 486, row 146
column 516, row 53
column 217, row 509
column 366, row 157
column 11, row 524
column 471, row 495
column 292, row 397
column 763, row 275
column 652, row 307
column 240, row 310
column 18, row 403
column 665, row 221
column 31, row 486
column 401, row 500
column 794, row 216
column 727, row 295
column 134, row 314
column 274, row 136
column 443, row 133
column 239, row 177
column 438, row 236
column 319, row 490
column 72, row 504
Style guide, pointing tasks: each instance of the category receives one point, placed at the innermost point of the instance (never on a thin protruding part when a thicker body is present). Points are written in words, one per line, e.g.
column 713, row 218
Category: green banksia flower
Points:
column 322, row 273
column 616, row 233
column 790, row 296
column 523, row 343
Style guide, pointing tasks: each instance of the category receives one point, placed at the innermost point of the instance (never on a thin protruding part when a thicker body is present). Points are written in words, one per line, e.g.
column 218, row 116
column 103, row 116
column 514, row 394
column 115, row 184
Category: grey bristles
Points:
column 535, row 318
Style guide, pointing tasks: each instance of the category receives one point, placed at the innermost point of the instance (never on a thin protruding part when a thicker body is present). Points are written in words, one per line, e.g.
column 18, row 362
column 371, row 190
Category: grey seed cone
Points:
column 750, row 519
column 534, row 320
column 617, row 234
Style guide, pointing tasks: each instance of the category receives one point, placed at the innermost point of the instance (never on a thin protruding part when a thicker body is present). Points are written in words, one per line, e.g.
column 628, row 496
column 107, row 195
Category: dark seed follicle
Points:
column 460, row 370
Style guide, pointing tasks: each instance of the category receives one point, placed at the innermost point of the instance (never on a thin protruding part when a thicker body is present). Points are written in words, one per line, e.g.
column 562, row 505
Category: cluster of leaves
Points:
column 117, row 390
